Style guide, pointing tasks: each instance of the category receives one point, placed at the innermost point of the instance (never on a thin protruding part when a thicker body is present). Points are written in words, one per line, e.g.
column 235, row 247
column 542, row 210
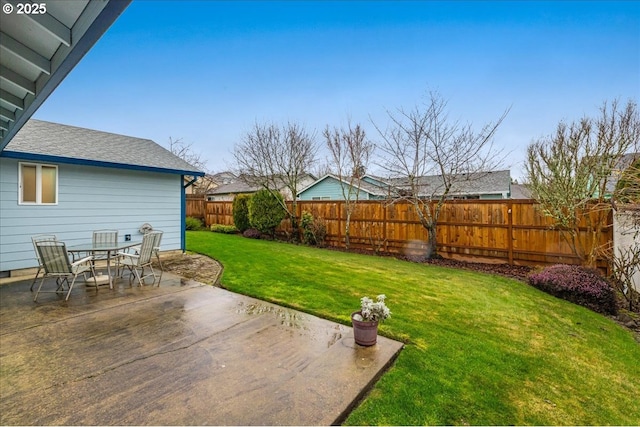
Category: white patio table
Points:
column 110, row 249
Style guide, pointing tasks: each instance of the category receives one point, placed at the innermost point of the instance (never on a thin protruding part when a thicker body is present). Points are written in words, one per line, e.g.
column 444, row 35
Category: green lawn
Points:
column 480, row 349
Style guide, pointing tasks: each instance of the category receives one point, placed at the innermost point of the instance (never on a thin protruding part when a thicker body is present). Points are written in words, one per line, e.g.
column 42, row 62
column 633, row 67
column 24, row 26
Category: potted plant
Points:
column 365, row 321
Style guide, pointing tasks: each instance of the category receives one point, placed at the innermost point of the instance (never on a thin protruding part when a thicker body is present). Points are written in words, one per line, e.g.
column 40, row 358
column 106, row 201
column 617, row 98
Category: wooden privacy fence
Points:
column 495, row 231
column 196, row 205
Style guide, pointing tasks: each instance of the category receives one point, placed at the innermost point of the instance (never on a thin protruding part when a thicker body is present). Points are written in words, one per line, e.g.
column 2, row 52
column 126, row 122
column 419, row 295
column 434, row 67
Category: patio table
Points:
column 110, row 249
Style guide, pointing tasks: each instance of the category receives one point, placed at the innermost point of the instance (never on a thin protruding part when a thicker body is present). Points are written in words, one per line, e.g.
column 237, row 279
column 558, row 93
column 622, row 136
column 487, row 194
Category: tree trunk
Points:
column 432, row 248
column 295, row 227
column 429, row 223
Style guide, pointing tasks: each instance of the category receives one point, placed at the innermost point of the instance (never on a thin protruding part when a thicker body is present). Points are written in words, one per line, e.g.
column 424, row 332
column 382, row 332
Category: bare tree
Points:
column 350, row 153
column 572, row 173
column 322, row 169
column 185, row 151
column 276, row 158
column 205, row 184
column 424, row 142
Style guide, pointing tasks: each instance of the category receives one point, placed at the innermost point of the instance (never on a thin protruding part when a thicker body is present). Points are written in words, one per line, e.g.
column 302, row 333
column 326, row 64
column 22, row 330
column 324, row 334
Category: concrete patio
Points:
column 181, row 354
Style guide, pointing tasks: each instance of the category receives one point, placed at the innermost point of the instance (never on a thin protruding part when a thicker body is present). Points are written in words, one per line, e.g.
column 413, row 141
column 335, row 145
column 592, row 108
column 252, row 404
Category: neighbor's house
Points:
column 332, row 187
column 473, row 186
column 481, row 186
column 624, row 163
column 521, row 191
column 210, row 182
column 222, row 178
column 70, row 181
column 227, row 192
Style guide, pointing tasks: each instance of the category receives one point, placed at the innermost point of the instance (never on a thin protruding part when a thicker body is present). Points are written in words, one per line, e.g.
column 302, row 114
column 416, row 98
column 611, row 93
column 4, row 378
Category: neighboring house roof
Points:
column 520, row 191
column 375, row 190
column 238, row 187
column 52, row 142
column 222, row 178
column 623, row 163
column 494, row 182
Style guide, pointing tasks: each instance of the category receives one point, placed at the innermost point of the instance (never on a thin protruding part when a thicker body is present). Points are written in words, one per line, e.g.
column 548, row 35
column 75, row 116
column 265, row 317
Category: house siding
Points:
column 374, row 181
column 492, row 196
column 222, row 197
column 328, row 189
column 89, row 198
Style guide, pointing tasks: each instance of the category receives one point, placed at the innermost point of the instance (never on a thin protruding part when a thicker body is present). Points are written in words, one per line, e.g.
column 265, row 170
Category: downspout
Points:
column 183, row 209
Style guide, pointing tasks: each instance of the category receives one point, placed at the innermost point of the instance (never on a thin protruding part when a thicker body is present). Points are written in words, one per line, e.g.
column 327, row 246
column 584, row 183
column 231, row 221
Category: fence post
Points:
column 384, row 227
column 339, row 213
column 510, row 231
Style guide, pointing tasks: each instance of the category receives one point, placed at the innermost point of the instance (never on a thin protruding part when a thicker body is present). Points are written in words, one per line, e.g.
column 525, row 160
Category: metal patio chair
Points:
column 106, row 237
column 34, row 240
column 56, row 263
column 156, row 250
column 142, row 259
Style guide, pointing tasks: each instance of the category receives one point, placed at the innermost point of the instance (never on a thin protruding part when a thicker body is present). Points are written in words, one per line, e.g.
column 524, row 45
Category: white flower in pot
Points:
column 365, row 321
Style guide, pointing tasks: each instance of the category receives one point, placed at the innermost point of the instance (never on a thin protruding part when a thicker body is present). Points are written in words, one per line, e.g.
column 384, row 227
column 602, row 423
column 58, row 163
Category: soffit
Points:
column 37, row 51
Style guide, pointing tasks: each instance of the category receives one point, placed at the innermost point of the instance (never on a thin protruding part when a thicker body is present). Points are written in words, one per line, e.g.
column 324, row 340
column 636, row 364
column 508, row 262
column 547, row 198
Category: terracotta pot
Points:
column 364, row 333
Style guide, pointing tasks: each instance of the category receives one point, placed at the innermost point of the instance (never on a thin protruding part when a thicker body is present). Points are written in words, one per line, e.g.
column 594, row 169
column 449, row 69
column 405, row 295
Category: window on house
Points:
column 38, row 184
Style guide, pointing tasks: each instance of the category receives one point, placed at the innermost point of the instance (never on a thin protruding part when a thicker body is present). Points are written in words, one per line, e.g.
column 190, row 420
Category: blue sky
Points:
column 205, row 71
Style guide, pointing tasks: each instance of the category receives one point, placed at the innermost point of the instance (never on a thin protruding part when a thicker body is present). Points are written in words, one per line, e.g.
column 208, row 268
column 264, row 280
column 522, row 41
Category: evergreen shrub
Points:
column 192, row 223
column 241, row 212
column 221, row 228
column 266, row 211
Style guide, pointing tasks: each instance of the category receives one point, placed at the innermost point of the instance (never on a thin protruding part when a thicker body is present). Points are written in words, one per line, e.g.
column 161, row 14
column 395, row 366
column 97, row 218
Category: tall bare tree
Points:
column 573, row 171
column 350, row 152
column 424, row 141
column 186, row 152
column 277, row 157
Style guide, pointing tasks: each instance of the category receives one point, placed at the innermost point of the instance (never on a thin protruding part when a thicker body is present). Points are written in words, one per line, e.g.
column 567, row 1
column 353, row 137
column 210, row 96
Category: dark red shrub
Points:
column 252, row 233
column 580, row 285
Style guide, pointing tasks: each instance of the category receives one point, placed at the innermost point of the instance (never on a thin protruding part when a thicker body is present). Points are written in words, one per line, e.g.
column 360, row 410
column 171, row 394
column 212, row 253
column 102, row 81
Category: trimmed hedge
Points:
column 225, row 229
column 193, row 224
column 580, row 285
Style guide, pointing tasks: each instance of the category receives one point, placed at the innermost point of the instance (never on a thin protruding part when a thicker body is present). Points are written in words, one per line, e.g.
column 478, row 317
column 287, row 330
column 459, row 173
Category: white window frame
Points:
column 39, row 167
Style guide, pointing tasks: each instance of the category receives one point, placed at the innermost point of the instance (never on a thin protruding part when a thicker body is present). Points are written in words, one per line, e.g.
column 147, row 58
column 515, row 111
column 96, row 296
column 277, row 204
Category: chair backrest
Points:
column 105, row 237
column 42, row 238
column 146, row 248
column 54, row 257
column 156, row 244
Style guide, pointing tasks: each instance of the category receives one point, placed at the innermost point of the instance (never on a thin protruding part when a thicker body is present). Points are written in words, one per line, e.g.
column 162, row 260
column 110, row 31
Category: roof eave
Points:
column 85, row 162
column 105, row 18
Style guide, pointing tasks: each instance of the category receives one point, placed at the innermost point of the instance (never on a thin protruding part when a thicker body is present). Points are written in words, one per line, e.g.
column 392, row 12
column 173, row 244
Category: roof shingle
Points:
column 43, row 138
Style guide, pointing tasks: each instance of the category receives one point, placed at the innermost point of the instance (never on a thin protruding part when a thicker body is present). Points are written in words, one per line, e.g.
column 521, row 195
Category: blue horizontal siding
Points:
column 329, row 187
column 491, row 196
column 89, row 198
